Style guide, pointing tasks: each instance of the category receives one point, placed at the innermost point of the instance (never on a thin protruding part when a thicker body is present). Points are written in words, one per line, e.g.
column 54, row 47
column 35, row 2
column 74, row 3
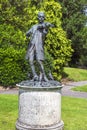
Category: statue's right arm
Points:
column 28, row 33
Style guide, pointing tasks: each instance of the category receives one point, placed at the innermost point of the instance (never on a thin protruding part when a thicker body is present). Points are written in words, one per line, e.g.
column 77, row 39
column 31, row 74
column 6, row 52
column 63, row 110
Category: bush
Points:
column 13, row 66
column 17, row 17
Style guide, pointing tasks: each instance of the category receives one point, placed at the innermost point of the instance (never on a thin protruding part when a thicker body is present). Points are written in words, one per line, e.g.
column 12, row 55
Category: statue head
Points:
column 41, row 17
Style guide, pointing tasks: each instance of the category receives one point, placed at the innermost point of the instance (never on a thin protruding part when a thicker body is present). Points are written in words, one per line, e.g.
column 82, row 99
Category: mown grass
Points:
column 80, row 88
column 8, row 111
column 74, row 112
column 75, row 74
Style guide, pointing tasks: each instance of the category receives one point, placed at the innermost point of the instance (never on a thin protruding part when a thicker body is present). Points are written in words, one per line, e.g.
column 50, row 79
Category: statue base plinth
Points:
column 39, row 108
column 21, row 126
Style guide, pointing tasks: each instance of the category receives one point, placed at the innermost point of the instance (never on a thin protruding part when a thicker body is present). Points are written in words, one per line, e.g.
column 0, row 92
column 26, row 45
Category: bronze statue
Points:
column 35, row 50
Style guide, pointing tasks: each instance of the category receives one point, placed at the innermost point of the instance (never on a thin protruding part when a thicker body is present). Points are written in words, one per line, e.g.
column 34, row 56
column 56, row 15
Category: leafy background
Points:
column 16, row 17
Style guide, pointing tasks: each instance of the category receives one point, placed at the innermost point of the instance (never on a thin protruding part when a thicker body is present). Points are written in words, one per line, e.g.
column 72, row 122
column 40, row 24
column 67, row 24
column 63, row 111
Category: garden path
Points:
column 66, row 90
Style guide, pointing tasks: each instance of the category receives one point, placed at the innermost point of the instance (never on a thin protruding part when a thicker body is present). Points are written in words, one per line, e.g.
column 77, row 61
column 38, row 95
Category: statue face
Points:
column 41, row 17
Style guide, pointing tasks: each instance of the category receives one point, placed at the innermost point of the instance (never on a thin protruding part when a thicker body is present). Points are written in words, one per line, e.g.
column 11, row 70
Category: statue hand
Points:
column 52, row 25
column 41, row 26
column 49, row 24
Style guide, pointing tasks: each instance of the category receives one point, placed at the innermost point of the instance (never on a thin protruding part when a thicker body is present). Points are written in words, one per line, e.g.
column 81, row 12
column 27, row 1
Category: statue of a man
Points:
column 37, row 35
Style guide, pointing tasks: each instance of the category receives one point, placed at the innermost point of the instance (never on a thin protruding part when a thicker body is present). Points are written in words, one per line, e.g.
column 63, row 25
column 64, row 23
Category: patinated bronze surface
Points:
column 37, row 34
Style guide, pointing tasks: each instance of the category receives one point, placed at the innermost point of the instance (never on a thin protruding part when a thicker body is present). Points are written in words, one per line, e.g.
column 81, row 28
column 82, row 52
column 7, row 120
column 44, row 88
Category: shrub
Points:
column 13, row 66
column 17, row 17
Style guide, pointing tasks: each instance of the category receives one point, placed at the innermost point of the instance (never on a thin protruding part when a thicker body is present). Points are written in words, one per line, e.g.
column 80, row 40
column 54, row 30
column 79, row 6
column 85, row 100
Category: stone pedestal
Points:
column 39, row 108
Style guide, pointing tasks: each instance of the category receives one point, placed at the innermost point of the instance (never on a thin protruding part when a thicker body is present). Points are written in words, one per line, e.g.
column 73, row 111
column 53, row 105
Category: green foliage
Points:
column 74, row 20
column 16, row 17
column 83, row 58
column 13, row 66
column 11, row 37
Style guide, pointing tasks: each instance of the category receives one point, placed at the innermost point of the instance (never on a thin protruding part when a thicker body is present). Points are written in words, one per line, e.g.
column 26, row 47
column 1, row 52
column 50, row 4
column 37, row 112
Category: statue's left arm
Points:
column 45, row 26
column 49, row 24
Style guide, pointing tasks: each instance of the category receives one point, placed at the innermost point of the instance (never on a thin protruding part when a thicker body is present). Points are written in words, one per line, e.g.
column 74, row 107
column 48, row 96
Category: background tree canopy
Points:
column 16, row 17
column 74, row 21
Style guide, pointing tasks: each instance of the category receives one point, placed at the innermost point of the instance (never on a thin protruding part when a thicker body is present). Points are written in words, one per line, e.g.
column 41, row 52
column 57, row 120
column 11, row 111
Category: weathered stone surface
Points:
column 40, row 110
column 21, row 126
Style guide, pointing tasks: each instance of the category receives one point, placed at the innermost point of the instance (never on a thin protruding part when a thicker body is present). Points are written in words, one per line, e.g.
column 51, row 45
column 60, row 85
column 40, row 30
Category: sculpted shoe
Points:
column 41, row 77
column 45, row 79
column 35, row 78
column 50, row 76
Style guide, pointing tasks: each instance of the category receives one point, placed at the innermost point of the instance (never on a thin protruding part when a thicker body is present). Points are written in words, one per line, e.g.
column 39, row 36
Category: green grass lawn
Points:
column 74, row 112
column 8, row 111
column 80, row 88
column 75, row 74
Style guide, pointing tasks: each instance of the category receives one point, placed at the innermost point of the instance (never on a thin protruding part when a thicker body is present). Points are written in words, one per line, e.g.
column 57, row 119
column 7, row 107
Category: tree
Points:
column 74, row 21
column 83, row 59
column 16, row 17
column 12, row 43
